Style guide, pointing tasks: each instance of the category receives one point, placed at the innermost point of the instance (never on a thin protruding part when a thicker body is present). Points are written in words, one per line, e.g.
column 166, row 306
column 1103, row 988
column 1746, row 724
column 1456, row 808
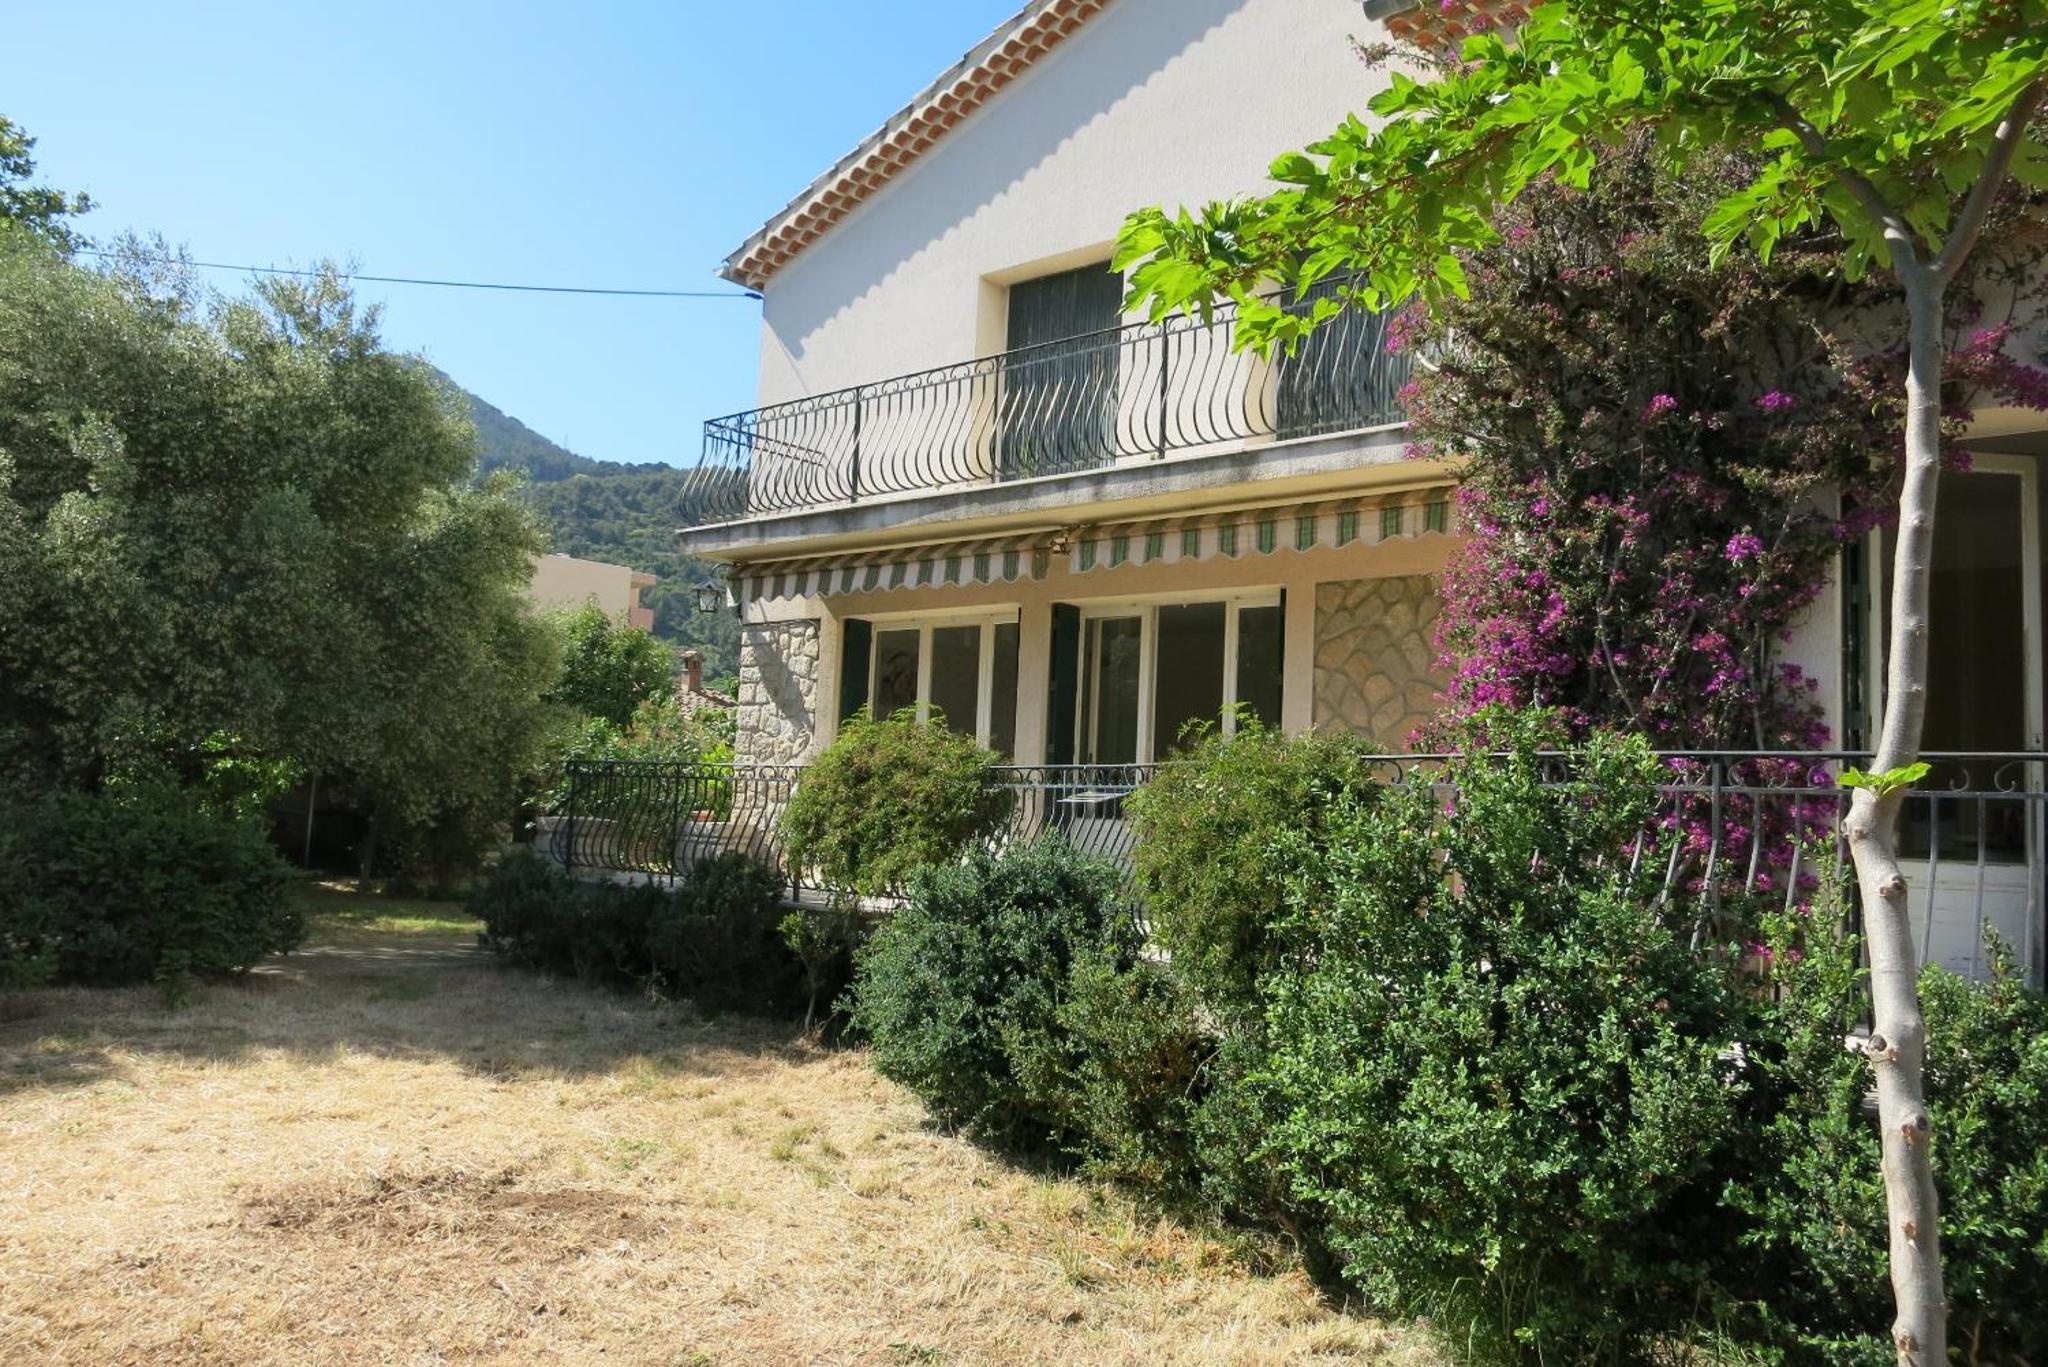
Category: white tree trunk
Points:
column 1898, row 1044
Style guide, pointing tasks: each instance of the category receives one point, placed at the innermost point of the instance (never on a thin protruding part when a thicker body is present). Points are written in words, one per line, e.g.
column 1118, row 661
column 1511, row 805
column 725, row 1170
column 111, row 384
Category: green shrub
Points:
column 713, row 939
column 964, row 984
column 1498, row 1076
column 1813, row 1266
column 104, row 890
column 1239, row 1174
column 24, row 964
column 660, row 732
column 889, row 797
column 1215, row 837
column 717, row 940
column 521, row 902
column 1133, row 1063
column 825, row 943
column 614, row 923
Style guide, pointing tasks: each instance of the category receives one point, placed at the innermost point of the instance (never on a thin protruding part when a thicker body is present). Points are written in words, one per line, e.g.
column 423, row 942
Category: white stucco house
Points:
column 971, row 486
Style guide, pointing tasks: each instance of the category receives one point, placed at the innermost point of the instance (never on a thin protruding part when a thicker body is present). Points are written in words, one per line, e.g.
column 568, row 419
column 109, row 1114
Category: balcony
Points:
column 1129, row 394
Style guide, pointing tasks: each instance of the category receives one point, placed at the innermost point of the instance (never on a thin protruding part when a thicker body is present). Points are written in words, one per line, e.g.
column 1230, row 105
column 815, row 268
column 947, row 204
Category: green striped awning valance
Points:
column 999, row 561
column 1331, row 524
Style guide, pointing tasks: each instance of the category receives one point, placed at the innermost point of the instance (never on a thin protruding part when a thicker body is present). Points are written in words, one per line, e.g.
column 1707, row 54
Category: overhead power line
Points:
column 421, row 280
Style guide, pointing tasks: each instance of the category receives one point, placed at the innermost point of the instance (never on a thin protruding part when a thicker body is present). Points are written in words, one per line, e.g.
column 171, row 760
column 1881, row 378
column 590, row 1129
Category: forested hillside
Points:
column 604, row 510
column 511, row 444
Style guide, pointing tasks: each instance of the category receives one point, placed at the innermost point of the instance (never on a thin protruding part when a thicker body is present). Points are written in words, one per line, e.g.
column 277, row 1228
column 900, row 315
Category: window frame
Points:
column 924, row 624
column 1146, row 610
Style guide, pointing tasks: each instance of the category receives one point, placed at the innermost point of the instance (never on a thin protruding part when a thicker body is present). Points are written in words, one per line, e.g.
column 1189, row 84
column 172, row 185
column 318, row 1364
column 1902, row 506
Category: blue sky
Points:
column 608, row 144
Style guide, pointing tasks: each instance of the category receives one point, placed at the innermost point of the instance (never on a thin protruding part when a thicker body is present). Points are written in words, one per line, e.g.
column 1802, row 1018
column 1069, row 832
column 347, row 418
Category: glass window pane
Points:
column 1188, row 673
column 895, row 672
column 956, row 677
column 1111, row 699
column 1002, row 724
column 1259, row 662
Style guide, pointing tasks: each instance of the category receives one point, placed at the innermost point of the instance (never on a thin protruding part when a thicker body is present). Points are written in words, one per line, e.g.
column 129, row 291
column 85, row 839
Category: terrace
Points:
column 1751, row 825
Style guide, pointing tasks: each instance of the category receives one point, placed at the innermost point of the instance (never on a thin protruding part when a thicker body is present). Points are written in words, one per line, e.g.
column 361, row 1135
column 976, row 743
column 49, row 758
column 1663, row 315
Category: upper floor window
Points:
column 1060, row 372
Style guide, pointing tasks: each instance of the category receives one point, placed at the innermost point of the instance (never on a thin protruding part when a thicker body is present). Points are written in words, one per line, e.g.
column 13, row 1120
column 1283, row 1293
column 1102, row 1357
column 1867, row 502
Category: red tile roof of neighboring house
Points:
column 1441, row 23
column 993, row 63
column 691, row 694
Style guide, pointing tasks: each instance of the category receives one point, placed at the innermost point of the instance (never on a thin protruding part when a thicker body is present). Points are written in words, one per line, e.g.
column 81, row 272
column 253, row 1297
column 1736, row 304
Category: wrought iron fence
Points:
column 658, row 819
column 1141, row 390
column 1727, row 826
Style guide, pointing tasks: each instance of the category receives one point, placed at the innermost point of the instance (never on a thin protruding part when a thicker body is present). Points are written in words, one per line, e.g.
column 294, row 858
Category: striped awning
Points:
column 1331, row 523
column 1000, row 561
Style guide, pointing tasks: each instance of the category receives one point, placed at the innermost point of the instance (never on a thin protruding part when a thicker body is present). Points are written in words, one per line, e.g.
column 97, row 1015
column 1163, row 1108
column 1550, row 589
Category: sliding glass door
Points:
column 1156, row 676
column 960, row 673
column 1111, row 681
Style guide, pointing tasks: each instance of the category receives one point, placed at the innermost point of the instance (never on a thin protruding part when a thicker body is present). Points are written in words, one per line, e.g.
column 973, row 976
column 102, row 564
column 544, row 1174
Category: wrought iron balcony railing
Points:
column 1128, row 393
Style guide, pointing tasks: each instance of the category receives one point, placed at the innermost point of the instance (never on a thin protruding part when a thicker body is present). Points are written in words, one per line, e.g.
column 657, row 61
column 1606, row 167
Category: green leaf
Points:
column 1297, row 168
column 1625, row 76
column 1451, row 271
column 1888, row 782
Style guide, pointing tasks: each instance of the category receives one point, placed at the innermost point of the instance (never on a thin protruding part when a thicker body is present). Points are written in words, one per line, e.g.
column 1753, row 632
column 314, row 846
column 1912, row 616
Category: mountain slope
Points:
column 607, row 510
column 505, row 443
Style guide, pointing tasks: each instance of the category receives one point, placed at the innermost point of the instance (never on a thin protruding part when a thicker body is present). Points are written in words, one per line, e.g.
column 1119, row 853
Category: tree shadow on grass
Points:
column 423, row 992
column 1262, row 1246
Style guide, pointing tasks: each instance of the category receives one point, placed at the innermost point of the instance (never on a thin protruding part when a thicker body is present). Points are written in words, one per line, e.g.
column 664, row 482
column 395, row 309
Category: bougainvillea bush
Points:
column 1662, row 459
column 1650, row 447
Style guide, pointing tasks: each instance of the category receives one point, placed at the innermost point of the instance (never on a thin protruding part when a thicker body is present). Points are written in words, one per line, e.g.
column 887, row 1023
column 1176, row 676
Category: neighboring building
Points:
column 562, row 581
column 692, row 696
column 975, row 486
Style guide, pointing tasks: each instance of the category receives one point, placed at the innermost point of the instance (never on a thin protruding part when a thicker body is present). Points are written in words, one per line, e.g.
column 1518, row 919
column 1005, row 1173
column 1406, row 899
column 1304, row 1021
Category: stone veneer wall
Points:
column 778, row 715
column 1376, row 670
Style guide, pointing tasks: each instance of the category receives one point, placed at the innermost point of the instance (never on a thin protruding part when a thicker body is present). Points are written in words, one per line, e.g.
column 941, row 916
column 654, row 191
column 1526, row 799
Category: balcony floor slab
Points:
column 1366, row 460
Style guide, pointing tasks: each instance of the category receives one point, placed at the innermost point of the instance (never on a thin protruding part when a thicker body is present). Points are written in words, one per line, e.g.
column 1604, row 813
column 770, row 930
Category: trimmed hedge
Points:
column 716, row 939
column 113, row 889
column 1213, row 832
column 1498, row 1082
column 958, row 992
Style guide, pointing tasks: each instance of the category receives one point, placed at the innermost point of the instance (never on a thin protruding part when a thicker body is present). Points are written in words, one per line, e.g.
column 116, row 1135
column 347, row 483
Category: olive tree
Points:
column 244, row 526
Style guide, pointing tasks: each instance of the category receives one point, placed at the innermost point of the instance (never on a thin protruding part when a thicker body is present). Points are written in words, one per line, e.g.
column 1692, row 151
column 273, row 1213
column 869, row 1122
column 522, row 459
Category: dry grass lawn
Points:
column 387, row 1148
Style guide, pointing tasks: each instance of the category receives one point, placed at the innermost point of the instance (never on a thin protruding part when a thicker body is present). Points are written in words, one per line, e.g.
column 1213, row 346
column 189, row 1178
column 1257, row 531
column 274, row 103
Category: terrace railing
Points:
column 1728, row 826
column 1128, row 393
column 658, row 819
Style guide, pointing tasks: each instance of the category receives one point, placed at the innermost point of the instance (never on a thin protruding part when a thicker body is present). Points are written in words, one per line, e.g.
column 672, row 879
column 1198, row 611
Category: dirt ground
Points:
column 388, row 1149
